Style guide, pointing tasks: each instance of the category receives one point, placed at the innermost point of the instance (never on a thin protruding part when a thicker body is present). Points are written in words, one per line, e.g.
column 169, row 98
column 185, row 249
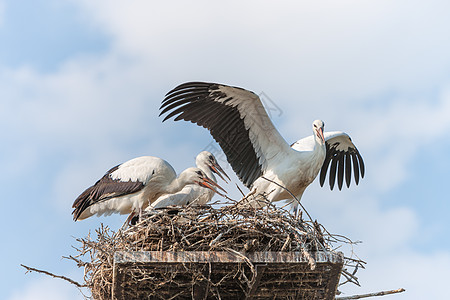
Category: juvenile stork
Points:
column 257, row 152
column 193, row 193
column 133, row 185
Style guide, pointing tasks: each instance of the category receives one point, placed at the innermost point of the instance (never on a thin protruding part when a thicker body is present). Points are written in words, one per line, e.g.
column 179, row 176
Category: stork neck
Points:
column 177, row 184
column 318, row 144
column 319, row 149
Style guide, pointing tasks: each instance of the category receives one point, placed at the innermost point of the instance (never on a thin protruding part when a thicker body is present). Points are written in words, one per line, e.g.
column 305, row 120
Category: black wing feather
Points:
column 326, row 163
column 340, row 159
column 355, row 167
column 361, row 163
column 341, row 163
column 197, row 102
column 105, row 188
column 332, row 173
column 348, row 169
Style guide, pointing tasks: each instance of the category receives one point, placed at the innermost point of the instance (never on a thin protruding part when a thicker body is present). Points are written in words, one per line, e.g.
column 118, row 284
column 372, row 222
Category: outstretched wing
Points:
column 235, row 118
column 342, row 156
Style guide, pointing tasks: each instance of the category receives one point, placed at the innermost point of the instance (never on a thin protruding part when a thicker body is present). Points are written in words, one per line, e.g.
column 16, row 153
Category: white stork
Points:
column 130, row 187
column 256, row 151
column 193, row 193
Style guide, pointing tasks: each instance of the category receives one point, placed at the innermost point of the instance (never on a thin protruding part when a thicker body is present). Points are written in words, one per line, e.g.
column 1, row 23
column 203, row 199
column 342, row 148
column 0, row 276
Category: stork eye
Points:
column 198, row 173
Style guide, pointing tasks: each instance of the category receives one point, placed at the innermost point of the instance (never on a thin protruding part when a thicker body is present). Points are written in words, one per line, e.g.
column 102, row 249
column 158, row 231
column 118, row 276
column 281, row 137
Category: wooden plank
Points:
column 288, row 274
column 223, row 257
column 117, row 279
column 259, row 273
column 334, row 281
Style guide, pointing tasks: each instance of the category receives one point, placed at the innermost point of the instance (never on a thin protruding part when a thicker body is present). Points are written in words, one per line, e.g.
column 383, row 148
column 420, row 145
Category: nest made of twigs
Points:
column 203, row 228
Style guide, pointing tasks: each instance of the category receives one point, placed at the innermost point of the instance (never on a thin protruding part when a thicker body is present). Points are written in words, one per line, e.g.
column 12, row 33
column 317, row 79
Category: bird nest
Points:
column 233, row 229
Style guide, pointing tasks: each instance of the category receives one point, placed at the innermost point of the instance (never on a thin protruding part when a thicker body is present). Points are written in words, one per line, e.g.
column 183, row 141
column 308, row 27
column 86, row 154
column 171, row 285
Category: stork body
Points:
column 133, row 185
column 290, row 175
column 193, row 193
column 256, row 151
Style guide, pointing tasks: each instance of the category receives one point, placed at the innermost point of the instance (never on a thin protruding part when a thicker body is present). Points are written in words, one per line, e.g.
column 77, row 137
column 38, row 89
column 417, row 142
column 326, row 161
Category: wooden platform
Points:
column 225, row 275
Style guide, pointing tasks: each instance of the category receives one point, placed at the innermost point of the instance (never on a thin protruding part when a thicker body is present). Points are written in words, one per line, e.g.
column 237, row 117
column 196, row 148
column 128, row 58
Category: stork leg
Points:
column 294, row 207
column 130, row 218
column 296, row 204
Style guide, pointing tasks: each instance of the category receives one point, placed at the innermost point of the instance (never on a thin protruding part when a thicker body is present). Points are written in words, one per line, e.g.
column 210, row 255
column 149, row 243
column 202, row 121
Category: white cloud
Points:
column 87, row 105
column 363, row 218
column 81, row 99
column 323, row 50
column 397, row 134
column 424, row 276
column 48, row 289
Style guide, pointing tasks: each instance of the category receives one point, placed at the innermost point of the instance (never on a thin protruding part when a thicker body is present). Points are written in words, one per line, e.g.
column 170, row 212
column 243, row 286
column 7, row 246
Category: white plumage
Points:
column 192, row 193
column 130, row 187
column 256, row 151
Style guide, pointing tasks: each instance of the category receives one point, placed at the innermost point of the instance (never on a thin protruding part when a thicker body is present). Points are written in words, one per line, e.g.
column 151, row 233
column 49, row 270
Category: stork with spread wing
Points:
column 256, row 151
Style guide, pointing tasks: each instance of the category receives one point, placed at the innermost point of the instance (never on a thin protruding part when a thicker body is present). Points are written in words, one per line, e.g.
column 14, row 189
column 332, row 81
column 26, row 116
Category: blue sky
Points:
column 81, row 83
column 45, row 34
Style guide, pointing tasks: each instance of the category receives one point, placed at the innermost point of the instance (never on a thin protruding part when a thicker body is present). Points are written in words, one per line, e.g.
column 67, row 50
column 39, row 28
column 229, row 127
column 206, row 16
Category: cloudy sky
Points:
column 81, row 83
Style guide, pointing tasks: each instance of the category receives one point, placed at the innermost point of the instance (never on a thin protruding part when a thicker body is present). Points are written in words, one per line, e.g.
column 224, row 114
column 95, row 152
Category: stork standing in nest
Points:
column 257, row 152
column 130, row 187
column 193, row 193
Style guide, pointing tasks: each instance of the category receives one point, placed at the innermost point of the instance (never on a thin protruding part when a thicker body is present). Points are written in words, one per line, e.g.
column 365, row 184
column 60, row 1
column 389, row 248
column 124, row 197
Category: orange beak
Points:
column 216, row 168
column 320, row 134
column 208, row 183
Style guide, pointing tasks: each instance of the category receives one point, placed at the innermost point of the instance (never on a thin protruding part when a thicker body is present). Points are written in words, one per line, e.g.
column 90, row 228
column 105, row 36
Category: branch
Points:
column 383, row 293
column 30, row 269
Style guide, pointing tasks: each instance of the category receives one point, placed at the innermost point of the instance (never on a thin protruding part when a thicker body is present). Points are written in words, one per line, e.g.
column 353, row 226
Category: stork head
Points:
column 318, row 131
column 205, row 159
column 197, row 176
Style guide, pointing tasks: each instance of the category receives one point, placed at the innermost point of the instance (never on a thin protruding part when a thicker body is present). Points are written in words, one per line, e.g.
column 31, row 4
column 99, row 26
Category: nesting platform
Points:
column 230, row 252
column 225, row 275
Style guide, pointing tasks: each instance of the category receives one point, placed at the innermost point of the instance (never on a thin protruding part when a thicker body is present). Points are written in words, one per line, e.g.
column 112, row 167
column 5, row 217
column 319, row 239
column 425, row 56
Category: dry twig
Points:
column 30, row 269
column 383, row 293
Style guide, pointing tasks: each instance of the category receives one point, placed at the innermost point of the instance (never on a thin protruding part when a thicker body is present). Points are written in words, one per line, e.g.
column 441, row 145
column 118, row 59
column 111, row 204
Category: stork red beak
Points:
column 216, row 168
column 319, row 132
column 208, row 183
